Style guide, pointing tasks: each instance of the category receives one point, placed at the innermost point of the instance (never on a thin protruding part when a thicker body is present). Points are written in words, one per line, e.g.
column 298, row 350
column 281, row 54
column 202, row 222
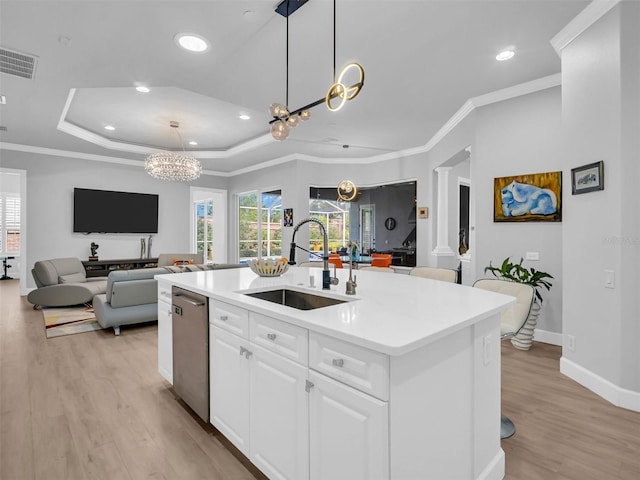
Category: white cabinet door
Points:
column 165, row 344
column 349, row 432
column 279, row 416
column 229, row 386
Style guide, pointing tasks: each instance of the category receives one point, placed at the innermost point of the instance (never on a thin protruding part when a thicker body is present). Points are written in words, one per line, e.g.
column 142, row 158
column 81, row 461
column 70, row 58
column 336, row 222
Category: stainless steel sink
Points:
column 294, row 299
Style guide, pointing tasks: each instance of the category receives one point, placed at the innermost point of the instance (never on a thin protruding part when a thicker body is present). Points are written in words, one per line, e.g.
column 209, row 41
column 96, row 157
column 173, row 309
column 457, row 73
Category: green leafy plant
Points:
column 515, row 272
column 352, row 246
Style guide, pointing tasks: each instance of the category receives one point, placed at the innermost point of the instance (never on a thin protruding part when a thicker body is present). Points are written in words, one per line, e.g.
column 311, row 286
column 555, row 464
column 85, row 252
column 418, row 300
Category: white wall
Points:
column 601, row 110
column 514, row 137
column 50, row 184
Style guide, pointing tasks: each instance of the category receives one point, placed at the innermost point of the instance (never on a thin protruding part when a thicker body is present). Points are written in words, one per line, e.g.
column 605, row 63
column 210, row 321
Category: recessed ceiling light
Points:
column 505, row 55
column 244, row 116
column 193, row 143
column 109, row 127
column 143, row 89
column 191, row 42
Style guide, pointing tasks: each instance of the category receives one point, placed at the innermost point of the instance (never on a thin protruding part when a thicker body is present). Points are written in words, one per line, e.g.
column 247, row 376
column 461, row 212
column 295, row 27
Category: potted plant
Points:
column 516, row 272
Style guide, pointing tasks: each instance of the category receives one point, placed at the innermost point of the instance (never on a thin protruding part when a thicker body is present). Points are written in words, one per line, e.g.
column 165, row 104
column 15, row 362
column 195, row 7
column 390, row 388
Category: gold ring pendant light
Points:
column 283, row 118
column 347, row 191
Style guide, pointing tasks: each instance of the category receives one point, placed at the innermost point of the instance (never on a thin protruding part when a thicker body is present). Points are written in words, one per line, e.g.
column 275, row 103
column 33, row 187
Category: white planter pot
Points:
column 522, row 341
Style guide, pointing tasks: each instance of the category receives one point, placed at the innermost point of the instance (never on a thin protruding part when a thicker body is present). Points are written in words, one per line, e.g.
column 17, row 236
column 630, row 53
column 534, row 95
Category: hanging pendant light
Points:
column 173, row 166
column 283, row 119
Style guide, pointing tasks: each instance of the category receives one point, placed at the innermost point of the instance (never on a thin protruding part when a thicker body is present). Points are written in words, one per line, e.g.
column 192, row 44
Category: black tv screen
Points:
column 104, row 211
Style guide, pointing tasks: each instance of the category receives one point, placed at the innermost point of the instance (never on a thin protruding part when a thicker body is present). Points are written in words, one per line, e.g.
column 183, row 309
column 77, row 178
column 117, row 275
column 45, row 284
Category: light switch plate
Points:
column 609, row 279
column 532, row 255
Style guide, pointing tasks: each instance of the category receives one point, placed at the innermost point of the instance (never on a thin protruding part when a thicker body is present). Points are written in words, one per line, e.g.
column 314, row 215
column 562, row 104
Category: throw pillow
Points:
column 72, row 278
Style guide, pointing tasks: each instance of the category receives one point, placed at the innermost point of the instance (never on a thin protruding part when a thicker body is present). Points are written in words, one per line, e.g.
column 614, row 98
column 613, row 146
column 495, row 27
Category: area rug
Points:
column 61, row 321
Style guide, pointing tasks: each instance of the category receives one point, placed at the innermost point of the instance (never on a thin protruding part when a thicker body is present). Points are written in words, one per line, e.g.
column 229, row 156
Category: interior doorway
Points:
column 13, row 221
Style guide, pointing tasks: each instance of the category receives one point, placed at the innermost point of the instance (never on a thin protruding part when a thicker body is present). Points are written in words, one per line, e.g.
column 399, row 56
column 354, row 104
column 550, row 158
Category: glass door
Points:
column 259, row 225
column 367, row 227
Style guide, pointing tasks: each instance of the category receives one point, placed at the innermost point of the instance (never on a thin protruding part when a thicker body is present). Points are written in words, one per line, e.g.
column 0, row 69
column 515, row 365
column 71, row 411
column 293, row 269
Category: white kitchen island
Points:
column 402, row 381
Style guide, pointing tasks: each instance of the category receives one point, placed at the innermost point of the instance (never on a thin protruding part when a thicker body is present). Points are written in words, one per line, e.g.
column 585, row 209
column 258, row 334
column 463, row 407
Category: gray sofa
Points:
column 62, row 282
column 132, row 295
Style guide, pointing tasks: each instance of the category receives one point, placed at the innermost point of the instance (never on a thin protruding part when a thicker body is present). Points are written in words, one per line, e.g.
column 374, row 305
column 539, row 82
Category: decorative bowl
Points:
column 269, row 267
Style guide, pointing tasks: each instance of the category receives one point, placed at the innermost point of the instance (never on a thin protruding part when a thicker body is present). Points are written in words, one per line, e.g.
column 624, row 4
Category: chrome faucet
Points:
column 327, row 279
column 351, row 283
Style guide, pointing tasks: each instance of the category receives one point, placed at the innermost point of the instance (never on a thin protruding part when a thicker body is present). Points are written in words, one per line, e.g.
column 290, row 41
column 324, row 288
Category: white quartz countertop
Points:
column 390, row 313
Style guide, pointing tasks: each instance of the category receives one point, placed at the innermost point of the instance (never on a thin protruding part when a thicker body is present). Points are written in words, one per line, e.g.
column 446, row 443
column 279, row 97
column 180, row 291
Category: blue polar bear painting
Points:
column 528, row 197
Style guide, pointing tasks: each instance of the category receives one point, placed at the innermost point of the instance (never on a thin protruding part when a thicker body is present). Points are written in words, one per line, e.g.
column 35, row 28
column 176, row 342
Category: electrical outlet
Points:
column 571, row 342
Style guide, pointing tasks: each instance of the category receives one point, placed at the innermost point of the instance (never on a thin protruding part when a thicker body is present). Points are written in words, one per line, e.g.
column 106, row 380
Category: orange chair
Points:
column 335, row 259
column 380, row 260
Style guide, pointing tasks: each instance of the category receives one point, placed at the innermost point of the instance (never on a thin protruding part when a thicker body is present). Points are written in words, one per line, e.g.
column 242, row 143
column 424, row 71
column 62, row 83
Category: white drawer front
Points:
column 290, row 341
column 364, row 369
column 229, row 317
column 164, row 292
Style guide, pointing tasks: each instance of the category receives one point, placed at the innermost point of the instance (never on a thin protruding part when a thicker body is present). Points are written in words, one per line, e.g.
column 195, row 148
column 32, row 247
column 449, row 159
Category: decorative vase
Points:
column 522, row 341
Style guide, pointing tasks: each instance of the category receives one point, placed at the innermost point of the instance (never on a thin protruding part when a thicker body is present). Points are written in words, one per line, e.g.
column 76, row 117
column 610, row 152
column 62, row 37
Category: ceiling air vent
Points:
column 18, row 64
column 3, row 128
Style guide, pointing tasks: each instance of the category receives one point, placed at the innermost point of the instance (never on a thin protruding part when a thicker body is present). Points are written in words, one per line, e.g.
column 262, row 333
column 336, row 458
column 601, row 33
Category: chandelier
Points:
column 174, row 166
column 283, row 118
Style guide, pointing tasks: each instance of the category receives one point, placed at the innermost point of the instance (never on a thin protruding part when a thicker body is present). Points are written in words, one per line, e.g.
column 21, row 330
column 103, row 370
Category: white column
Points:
column 442, row 247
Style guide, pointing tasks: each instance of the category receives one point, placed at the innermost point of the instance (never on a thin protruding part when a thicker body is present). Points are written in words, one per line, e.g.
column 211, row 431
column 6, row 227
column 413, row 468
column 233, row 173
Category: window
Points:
column 334, row 215
column 9, row 224
column 259, row 235
column 204, row 229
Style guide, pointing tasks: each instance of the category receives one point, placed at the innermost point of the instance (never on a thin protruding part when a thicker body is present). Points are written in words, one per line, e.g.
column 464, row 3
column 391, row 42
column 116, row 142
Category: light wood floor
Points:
column 92, row 406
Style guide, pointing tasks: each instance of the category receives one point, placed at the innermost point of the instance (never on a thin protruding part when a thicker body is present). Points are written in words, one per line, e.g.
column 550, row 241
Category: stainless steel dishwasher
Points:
column 191, row 349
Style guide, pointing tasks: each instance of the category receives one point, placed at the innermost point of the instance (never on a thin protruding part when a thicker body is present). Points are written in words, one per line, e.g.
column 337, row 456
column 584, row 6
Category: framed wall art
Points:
column 534, row 197
column 587, row 178
column 288, row 217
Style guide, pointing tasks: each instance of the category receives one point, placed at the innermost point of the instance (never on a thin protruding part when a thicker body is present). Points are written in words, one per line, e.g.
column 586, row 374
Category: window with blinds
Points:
column 9, row 224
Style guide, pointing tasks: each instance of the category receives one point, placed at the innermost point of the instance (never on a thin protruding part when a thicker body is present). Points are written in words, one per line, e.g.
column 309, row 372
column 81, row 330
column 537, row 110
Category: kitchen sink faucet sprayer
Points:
column 327, row 279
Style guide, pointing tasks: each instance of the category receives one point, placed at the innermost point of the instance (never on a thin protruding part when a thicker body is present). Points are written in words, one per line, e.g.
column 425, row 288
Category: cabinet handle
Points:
column 247, row 353
column 271, row 336
column 308, row 386
column 224, row 318
column 337, row 362
column 243, row 350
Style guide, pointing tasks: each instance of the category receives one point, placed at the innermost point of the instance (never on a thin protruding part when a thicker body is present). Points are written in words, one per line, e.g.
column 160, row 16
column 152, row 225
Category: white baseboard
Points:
column 495, row 469
column 620, row 397
column 545, row 336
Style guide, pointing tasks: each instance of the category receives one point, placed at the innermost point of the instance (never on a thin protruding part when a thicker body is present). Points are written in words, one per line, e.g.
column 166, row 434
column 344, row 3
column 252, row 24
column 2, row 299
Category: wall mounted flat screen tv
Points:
column 104, row 211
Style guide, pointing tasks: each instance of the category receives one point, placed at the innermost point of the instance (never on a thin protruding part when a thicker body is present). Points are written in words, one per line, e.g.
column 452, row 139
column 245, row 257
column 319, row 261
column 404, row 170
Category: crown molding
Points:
column 468, row 107
column 92, row 137
column 87, row 156
column 587, row 17
column 487, row 99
